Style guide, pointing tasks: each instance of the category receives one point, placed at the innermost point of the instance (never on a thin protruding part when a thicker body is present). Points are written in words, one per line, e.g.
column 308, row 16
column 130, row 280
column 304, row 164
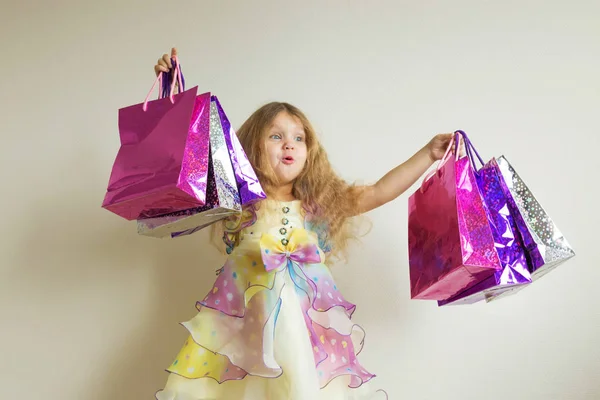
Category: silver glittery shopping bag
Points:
column 545, row 245
column 222, row 195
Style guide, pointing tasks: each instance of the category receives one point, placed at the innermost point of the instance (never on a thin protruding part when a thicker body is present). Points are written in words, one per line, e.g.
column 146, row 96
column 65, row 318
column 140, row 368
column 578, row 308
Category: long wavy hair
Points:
column 329, row 202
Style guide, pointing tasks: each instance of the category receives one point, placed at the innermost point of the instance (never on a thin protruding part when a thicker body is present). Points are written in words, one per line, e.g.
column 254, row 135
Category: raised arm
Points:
column 399, row 179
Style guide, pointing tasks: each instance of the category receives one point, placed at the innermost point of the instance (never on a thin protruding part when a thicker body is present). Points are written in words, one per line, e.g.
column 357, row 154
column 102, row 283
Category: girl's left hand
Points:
column 439, row 144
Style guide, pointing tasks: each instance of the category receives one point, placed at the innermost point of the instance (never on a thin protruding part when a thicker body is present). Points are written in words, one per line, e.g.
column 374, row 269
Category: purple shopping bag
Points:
column 508, row 242
column 245, row 176
column 451, row 246
column 162, row 164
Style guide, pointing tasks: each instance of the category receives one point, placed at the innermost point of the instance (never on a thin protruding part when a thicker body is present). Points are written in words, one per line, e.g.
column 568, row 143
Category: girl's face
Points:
column 286, row 147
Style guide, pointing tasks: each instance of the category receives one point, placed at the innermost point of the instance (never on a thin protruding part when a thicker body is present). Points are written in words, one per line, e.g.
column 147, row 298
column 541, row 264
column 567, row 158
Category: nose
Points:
column 288, row 146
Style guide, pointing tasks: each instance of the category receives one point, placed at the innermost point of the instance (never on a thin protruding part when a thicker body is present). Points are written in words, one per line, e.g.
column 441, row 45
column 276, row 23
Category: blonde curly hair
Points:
column 327, row 200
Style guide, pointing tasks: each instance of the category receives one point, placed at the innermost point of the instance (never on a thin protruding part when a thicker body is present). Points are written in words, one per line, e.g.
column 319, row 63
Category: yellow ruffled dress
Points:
column 274, row 325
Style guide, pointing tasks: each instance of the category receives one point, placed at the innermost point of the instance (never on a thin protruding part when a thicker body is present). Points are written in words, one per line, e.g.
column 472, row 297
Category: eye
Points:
column 299, row 138
column 275, row 136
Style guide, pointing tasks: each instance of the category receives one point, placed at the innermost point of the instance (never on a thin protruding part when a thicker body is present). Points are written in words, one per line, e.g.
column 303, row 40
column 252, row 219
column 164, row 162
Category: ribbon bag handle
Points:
column 168, row 85
column 470, row 149
column 164, row 84
column 453, row 147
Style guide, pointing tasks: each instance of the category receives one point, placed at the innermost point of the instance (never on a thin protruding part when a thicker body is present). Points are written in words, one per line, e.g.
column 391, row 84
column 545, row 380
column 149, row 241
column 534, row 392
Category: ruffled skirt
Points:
column 280, row 334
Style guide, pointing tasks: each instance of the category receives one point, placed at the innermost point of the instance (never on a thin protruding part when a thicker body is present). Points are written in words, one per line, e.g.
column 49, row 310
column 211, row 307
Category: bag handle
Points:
column 470, row 149
column 168, row 85
column 454, row 144
column 167, row 90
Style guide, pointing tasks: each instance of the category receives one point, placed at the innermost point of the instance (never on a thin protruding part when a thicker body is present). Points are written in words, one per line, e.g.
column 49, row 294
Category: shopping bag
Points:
column 248, row 185
column 161, row 165
column 508, row 242
column 451, row 246
column 544, row 243
column 222, row 200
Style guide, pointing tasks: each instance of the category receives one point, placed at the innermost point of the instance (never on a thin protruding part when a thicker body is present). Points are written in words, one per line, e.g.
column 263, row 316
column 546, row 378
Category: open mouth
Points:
column 288, row 160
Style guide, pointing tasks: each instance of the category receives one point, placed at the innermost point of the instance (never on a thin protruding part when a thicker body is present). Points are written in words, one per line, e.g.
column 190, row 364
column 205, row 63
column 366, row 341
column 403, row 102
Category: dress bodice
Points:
column 277, row 218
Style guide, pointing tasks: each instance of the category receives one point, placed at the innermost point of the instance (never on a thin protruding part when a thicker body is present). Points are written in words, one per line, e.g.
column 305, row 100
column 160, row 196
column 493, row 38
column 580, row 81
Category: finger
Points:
column 173, row 52
column 160, row 68
column 163, row 62
column 462, row 152
column 167, row 60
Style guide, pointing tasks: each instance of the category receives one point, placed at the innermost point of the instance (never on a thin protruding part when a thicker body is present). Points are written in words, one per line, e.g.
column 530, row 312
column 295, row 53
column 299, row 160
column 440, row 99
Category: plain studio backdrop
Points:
column 90, row 310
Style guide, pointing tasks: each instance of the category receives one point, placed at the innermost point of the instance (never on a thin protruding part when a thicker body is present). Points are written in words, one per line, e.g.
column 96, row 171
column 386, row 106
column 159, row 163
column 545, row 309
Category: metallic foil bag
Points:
column 245, row 176
column 508, row 242
column 451, row 246
column 156, row 169
column 545, row 245
column 222, row 195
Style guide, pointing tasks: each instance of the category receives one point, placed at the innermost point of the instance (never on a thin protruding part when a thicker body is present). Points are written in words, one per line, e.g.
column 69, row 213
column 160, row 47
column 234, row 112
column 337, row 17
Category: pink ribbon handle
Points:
column 454, row 143
column 178, row 80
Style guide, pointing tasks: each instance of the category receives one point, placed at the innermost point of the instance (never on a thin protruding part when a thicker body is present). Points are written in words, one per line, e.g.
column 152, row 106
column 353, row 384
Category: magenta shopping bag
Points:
column 162, row 164
column 223, row 196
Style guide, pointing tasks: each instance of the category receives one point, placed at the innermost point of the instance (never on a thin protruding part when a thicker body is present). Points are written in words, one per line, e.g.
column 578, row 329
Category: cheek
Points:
column 302, row 161
column 304, row 154
column 271, row 152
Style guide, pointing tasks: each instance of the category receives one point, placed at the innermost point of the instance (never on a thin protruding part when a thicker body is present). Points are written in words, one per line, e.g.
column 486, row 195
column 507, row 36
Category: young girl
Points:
column 275, row 325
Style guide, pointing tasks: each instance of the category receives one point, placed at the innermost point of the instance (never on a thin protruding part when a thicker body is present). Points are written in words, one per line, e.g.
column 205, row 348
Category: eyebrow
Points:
column 275, row 126
column 279, row 128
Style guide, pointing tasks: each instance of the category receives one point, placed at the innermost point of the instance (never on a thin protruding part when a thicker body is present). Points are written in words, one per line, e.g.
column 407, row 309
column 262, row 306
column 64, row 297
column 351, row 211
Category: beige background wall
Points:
column 89, row 309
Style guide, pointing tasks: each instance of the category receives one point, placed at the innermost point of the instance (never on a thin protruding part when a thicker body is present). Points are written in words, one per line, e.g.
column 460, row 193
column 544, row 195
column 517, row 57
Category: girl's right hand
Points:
column 164, row 63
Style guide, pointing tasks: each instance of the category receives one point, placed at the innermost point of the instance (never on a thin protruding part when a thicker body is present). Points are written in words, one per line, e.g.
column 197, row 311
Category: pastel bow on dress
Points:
column 300, row 249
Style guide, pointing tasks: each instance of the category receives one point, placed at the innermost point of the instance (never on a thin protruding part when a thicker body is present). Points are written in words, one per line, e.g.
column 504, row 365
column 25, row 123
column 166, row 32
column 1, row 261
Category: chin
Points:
column 287, row 180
